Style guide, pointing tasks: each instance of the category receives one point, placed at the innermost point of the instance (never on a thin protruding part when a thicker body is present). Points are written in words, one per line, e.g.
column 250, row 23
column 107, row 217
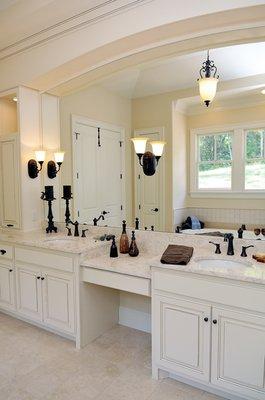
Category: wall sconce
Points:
column 33, row 169
column 147, row 159
column 51, row 167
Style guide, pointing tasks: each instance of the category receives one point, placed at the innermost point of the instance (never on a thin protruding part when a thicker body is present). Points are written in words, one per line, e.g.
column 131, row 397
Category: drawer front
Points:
column 115, row 280
column 213, row 290
column 43, row 259
column 6, row 252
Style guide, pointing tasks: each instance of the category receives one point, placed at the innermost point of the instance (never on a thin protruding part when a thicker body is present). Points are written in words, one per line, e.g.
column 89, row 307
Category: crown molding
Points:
column 78, row 21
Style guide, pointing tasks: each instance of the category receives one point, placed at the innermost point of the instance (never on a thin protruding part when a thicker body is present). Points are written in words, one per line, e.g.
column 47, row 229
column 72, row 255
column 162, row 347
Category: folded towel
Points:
column 177, row 255
column 195, row 223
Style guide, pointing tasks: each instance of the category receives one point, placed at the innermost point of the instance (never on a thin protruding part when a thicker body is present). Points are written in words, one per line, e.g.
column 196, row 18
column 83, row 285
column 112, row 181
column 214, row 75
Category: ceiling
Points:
column 233, row 63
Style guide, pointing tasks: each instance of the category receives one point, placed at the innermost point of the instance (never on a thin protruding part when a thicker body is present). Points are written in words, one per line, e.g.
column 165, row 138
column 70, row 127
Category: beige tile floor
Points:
column 35, row 365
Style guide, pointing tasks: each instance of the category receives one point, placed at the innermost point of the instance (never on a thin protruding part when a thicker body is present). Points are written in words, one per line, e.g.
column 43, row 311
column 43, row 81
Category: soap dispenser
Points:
column 113, row 248
column 133, row 250
column 124, row 240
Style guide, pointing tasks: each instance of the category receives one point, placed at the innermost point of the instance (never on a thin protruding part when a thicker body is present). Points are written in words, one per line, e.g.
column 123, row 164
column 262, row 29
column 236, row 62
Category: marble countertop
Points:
column 52, row 241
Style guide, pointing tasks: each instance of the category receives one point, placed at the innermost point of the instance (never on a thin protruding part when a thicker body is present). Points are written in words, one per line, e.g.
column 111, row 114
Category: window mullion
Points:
column 238, row 164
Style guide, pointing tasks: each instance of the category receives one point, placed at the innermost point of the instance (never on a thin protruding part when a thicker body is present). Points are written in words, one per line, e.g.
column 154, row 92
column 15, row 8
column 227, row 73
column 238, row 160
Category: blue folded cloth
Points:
column 195, row 223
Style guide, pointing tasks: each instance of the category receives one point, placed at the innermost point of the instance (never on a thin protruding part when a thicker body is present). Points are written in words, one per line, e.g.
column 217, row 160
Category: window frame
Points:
column 238, row 190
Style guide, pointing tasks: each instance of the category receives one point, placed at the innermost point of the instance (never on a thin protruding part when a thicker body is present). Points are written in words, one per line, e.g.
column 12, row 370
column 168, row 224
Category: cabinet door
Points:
column 58, row 300
column 181, row 333
column 238, row 353
column 10, row 198
column 29, row 292
column 7, row 287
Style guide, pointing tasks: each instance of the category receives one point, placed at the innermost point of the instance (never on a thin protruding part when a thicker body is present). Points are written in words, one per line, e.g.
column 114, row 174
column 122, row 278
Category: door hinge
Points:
column 78, row 213
column 139, row 176
column 76, row 135
column 120, row 143
column 99, row 143
column 121, row 207
column 120, row 176
column 77, row 175
column 139, row 206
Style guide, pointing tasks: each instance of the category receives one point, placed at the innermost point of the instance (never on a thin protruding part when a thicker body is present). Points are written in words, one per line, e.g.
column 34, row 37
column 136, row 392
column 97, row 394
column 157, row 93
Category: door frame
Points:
column 82, row 120
column 161, row 131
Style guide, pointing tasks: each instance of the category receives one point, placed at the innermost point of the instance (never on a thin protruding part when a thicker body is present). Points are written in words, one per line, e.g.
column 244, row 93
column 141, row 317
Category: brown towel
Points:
column 177, row 255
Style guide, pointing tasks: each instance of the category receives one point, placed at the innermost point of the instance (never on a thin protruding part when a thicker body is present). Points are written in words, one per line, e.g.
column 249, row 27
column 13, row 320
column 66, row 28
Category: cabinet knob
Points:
column 38, row 277
column 206, row 319
column 10, row 270
column 42, row 278
column 215, row 321
column 3, row 251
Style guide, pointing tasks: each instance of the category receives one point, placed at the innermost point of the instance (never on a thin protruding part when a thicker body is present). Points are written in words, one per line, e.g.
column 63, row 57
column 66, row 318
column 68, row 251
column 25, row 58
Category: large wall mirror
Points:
column 213, row 165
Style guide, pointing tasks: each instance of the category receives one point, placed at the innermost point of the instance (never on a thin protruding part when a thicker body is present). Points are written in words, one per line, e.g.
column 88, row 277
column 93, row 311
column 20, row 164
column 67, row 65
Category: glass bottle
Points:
column 124, row 240
column 133, row 250
column 113, row 249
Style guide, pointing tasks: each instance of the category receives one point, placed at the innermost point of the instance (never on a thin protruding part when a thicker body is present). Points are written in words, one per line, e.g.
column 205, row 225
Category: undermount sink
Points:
column 215, row 263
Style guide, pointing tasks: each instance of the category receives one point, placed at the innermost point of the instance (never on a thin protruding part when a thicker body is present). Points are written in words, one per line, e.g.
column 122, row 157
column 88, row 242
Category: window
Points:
column 229, row 160
column 215, row 161
column 255, row 159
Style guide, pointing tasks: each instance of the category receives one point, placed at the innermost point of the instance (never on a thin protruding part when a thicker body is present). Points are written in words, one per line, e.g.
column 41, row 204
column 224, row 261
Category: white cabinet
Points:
column 182, row 336
column 210, row 330
column 29, row 299
column 9, row 183
column 58, row 300
column 238, row 352
column 47, row 296
column 7, row 287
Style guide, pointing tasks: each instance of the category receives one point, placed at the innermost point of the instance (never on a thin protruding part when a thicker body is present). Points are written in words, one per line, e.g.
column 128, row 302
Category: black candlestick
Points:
column 48, row 196
column 67, row 195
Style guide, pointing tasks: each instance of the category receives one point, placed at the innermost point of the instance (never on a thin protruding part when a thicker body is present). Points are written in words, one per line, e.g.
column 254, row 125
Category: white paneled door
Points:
column 98, row 171
column 149, row 202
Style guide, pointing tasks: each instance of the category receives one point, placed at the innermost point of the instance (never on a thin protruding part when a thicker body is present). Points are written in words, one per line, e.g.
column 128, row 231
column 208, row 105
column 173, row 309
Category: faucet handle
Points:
column 244, row 248
column 84, row 233
column 217, row 250
column 69, row 231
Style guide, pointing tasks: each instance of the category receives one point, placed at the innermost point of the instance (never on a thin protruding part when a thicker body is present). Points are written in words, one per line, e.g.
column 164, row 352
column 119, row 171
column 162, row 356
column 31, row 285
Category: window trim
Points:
column 239, row 158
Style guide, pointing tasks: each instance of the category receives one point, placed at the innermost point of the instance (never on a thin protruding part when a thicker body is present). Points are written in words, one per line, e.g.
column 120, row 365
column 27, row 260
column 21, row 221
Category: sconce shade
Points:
column 208, row 87
column 158, row 148
column 40, row 155
column 59, row 156
column 139, row 144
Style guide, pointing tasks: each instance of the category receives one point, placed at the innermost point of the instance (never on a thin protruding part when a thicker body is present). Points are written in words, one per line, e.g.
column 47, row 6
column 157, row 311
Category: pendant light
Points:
column 208, row 81
column 147, row 159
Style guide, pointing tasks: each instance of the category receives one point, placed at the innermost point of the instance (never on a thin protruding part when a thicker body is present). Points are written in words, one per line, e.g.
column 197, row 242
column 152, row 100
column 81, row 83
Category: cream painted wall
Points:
column 226, row 117
column 99, row 104
column 8, row 116
column 151, row 111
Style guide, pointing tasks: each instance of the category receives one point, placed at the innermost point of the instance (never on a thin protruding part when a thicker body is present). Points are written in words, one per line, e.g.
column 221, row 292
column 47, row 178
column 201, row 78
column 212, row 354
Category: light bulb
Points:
column 40, row 155
column 208, row 88
column 15, row 98
column 59, row 156
column 139, row 144
column 158, row 148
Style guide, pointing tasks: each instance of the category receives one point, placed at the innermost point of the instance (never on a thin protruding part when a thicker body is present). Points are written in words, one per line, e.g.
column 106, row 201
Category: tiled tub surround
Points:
column 182, row 296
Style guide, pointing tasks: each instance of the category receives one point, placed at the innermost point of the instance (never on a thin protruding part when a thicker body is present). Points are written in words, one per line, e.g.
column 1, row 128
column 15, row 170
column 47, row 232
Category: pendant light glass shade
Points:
column 158, row 148
column 139, row 144
column 208, row 87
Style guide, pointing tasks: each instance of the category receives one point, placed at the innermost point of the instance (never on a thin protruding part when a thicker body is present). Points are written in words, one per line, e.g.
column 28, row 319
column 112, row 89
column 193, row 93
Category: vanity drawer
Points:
column 6, row 252
column 115, row 280
column 43, row 259
column 214, row 290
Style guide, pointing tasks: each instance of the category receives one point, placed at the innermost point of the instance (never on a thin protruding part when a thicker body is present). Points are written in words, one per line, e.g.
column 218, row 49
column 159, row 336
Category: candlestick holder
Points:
column 50, row 228
column 67, row 195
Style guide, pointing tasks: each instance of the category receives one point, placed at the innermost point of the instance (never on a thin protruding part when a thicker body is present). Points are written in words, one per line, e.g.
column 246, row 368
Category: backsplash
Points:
column 222, row 216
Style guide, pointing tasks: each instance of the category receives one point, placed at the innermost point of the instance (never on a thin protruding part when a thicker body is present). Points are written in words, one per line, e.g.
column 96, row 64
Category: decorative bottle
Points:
column 113, row 249
column 124, row 240
column 133, row 250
